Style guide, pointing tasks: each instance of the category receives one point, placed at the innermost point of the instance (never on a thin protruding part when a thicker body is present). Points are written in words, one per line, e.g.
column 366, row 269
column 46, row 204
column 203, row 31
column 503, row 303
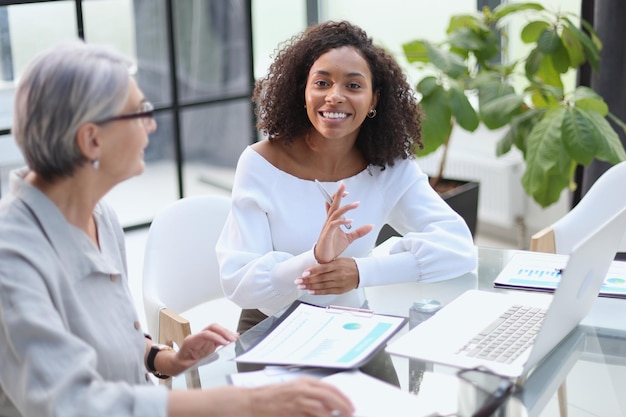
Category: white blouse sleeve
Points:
column 436, row 243
column 253, row 274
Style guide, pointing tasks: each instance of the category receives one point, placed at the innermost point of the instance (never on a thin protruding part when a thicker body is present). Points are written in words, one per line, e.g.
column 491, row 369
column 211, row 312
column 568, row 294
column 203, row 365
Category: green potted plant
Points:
column 554, row 129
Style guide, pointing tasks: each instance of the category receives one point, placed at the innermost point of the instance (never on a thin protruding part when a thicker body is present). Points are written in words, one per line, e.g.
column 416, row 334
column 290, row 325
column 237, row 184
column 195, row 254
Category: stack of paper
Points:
column 370, row 396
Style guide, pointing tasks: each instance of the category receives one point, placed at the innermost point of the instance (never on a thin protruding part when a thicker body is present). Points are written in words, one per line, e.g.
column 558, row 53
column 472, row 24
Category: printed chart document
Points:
column 542, row 272
column 371, row 397
column 331, row 337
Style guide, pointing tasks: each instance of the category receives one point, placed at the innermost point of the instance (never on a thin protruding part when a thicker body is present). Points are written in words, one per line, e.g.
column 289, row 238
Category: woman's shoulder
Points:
column 402, row 168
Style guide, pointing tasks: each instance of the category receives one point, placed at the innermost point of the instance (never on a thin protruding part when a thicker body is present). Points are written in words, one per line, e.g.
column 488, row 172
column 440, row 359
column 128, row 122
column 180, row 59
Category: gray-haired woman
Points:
column 70, row 339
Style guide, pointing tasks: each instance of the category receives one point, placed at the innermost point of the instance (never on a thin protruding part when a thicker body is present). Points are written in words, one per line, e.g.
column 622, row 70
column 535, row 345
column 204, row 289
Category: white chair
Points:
column 604, row 199
column 181, row 270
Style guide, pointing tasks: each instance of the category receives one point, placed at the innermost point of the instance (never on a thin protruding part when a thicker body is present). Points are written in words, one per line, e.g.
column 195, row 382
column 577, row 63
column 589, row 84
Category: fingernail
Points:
column 298, row 281
column 312, row 292
column 302, row 287
column 306, row 273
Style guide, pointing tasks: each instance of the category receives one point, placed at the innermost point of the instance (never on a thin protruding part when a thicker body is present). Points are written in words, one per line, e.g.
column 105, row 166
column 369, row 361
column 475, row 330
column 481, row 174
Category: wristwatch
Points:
column 154, row 350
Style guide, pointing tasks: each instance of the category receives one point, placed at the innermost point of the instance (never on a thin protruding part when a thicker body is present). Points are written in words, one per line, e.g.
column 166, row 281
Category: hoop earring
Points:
column 371, row 114
column 96, row 164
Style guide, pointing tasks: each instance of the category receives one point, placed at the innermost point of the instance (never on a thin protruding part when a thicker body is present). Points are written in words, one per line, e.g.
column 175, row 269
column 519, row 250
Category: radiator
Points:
column 501, row 198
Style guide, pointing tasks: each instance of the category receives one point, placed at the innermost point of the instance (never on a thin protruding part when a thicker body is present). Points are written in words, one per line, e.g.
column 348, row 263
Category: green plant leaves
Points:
column 590, row 48
column 415, row 51
column 437, row 121
column 531, row 32
column 518, row 132
column 555, row 130
column 561, row 139
column 548, row 168
column 573, row 47
column 549, row 41
column 586, row 98
column 462, row 110
column 498, row 103
column 502, row 11
column 450, row 63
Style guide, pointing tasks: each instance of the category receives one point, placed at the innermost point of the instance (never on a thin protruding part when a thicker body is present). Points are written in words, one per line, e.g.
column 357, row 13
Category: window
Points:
column 194, row 62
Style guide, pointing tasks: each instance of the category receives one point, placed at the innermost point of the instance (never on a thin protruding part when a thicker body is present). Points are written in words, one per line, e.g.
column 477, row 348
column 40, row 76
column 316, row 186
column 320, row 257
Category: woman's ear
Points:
column 375, row 98
column 87, row 141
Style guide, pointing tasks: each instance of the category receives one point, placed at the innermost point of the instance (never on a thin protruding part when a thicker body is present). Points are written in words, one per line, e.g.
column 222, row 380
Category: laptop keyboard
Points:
column 508, row 336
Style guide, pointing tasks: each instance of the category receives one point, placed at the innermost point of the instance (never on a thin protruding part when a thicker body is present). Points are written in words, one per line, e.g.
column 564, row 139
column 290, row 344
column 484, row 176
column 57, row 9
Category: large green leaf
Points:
column 592, row 52
column 586, row 98
column 531, row 31
column 497, row 103
column 499, row 111
column 491, row 87
column 450, row 63
column 548, row 74
column 549, row 41
column 574, row 48
column 548, row 168
column 462, row 110
column 533, row 63
column 463, row 21
column 560, row 59
column 437, row 121
column 592, row 33
column 489, row 49
column 415, row 51
column 466, row 39
column 608, row 146
column 427, row 85
column 581, row 139
column 617, row 121
column 518, row 132
column 504, row 10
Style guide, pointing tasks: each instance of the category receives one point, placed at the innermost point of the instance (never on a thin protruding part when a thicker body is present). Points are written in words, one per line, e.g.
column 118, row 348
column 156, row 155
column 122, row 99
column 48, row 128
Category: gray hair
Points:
column 62, row 88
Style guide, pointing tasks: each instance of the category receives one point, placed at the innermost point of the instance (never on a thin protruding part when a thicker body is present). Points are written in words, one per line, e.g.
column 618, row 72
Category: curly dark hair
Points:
column 391, row 135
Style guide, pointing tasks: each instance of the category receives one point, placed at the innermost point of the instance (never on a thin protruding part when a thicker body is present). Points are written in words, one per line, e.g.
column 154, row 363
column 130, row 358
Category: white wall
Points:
column 274, row 22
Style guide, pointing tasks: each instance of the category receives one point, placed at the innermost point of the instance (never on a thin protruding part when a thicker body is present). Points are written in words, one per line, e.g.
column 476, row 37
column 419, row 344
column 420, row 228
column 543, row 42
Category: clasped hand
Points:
column 334, row 275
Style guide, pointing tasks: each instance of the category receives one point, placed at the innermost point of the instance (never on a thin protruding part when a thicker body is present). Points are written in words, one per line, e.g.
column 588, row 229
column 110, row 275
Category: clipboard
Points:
column 323, row 336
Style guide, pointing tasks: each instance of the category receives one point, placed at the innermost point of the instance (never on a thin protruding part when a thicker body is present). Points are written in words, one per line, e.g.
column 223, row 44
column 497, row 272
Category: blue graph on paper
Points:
column 539, row 271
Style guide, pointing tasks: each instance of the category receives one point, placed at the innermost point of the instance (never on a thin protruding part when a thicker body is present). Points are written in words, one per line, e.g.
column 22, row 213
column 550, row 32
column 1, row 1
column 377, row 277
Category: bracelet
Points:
column 154, row 350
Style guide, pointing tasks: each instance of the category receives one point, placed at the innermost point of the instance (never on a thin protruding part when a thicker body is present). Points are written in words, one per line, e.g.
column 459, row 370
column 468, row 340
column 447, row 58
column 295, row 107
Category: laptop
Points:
column 451, row 336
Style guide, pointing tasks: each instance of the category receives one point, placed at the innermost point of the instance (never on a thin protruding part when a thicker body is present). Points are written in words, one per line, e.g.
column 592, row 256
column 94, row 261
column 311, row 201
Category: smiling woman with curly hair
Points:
column 383, row 139
column 339, row 116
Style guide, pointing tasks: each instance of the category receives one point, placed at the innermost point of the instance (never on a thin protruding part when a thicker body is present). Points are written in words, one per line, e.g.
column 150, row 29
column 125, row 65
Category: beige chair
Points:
column 604, row 199
column 180, row 268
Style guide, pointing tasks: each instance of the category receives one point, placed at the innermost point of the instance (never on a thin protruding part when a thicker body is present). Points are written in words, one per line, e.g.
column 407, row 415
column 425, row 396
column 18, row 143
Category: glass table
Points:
column 589, row 365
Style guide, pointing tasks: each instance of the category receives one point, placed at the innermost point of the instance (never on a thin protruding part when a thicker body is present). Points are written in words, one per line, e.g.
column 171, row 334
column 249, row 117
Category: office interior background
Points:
column 197, row 61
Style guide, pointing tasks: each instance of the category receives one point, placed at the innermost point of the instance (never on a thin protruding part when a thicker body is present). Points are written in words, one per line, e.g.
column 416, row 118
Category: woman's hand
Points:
column 333, row 240
column 336, row 277
column 304, row 397
column 196, row 347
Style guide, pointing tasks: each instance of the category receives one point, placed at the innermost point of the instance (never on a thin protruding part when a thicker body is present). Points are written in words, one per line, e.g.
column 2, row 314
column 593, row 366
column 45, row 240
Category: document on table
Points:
column 370, row 396
column 330, row 337
column 542, row 272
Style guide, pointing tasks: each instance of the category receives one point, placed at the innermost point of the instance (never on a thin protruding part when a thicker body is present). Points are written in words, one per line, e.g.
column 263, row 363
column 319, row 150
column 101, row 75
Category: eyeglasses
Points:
column 145, row 114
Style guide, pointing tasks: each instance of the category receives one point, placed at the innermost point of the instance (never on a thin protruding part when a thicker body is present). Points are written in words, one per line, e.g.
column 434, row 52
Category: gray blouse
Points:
column 70, row 339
